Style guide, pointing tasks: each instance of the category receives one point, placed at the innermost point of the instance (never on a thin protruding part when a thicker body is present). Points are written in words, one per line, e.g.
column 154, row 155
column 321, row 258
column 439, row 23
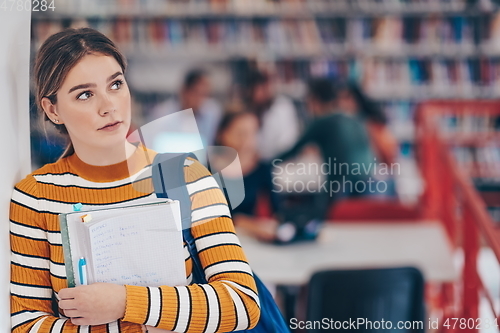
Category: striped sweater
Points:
column 228, row 302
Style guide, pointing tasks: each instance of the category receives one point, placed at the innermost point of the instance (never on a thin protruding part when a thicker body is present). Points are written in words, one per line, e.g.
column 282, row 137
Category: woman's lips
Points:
column 111, row 127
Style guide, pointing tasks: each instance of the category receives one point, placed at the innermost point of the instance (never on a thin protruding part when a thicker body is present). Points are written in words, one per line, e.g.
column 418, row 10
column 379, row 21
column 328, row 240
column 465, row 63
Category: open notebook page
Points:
column 143, row 247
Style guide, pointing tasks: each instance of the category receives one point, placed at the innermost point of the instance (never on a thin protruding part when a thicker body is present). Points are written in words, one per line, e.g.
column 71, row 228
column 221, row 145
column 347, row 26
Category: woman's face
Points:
column 262, row 93
column 242, row 134
column 194, row 96
column 94, row 103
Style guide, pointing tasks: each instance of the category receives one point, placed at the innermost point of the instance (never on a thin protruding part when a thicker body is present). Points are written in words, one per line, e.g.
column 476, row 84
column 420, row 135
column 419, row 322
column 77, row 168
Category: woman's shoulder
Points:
column 194, row 170
column 29, row 182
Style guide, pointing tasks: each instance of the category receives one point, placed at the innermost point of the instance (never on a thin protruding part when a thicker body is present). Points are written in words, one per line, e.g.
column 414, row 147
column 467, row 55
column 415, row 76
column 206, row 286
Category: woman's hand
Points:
column 265, row 229
column 95, row 304
column 261, row 228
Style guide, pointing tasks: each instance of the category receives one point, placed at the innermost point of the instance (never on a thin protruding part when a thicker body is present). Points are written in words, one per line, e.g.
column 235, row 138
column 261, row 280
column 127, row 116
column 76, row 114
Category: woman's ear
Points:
column 50, row 110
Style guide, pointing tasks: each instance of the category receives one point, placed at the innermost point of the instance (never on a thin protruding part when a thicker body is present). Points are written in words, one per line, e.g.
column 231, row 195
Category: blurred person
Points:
column 341, row 137
column 239, row 130
column 351, row 99
column 278, row 118
column 195, row 94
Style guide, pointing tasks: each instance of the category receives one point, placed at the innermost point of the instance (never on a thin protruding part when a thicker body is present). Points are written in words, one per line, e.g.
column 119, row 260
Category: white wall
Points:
column 14, row 131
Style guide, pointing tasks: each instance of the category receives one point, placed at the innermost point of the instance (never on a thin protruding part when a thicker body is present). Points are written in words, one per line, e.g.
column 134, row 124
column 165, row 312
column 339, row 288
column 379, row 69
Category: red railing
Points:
column 451, row 197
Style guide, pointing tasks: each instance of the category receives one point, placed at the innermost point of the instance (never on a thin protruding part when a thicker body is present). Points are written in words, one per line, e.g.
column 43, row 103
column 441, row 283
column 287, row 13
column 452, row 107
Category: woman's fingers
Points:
column 73, row 313
column 70, row 308
column 79, row 321
column 66, row 293
column 67, row 304
column 98, row 303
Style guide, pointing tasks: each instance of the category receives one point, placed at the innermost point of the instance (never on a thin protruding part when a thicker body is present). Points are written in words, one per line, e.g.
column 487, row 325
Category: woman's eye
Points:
column 117, row 84
column 84, row 95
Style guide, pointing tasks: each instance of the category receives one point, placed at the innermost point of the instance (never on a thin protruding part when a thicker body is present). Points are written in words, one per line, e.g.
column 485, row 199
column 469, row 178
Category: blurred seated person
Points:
column 238, row 130
column 351, row 99
column 342, row 140
column 278, row 117
column 194, row 94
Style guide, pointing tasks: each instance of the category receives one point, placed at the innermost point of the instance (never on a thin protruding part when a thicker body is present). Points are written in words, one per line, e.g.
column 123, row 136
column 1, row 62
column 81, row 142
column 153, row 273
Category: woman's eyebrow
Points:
column 114, row 75
column 93, row 85
column 82, row 86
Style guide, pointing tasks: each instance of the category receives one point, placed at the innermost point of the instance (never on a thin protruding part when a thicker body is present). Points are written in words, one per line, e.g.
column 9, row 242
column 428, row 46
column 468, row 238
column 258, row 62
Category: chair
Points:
column 391, row 294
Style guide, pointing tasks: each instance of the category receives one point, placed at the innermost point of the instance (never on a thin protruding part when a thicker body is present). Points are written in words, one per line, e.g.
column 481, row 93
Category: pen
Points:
column 82, row 271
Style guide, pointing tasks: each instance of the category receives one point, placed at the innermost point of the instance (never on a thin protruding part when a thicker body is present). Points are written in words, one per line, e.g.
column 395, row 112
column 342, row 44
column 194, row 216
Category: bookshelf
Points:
column 261, row 7
column 471, row 129
column 403, row 51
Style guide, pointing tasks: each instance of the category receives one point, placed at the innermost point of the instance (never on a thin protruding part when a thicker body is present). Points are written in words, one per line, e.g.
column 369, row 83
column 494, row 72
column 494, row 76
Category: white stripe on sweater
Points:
column 58, row 270
column 155, row 306
column 72, row 180
column 213, row 308
column 244, row 290
column 213, row 211
column 40, row 263
column 22, row 230
column 62, row 208
column 24, row 317
column 227, row 267
column 30, row 291
column 241, row 312
column 184, row 309
column 202, row 184
column 113, row 327
column 217, row 239
column 58, row 325
column 38, row 324
column 25, row 199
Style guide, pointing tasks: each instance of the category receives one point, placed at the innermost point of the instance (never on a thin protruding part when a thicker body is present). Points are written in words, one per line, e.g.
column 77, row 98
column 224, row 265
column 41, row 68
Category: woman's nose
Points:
column 106, row 106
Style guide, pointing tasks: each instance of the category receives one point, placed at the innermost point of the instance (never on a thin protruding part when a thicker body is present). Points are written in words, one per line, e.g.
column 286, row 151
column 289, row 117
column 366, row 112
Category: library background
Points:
column 433, row 69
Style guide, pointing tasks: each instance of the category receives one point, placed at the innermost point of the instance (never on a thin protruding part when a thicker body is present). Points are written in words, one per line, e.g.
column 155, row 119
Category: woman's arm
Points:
column 261, row 228
column 229, row 301
column 309, row 136
column 31, row 270
column 230, row 298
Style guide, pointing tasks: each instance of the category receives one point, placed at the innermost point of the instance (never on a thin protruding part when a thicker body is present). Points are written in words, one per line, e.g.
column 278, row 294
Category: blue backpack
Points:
column 271, row 319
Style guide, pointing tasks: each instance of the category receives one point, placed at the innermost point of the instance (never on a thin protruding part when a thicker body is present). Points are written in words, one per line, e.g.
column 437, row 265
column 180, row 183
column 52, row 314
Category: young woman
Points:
column 81, row 89
column 239, row 130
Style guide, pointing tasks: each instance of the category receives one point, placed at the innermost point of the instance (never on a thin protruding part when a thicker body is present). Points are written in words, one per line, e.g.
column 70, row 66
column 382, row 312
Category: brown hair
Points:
column 58, row 55
column 227, row 120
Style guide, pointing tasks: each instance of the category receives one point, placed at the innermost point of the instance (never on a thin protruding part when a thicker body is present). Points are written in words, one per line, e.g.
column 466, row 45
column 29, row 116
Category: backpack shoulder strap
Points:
column 169, row 182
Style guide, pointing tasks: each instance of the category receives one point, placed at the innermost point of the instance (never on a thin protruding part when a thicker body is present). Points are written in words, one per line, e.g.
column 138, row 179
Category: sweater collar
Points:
column 141, row 158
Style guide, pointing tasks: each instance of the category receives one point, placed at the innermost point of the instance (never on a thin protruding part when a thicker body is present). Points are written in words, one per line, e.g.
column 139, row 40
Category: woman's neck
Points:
column 105, row 156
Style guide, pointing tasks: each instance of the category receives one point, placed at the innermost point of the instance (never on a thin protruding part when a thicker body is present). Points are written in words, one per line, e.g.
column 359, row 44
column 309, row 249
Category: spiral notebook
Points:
column 134, row 245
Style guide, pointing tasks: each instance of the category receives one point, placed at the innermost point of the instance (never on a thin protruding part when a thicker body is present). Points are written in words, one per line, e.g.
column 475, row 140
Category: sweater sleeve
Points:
column 229, row 302
column 32, row 308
